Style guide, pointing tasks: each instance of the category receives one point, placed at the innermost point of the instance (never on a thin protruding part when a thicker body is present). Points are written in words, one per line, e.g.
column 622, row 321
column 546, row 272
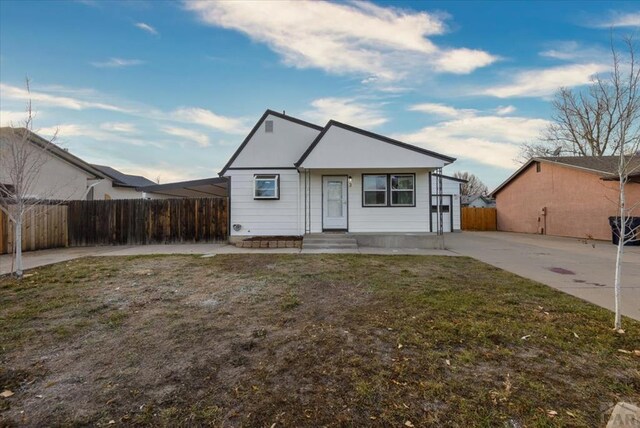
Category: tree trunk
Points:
column 18, row 235
column 619, row 254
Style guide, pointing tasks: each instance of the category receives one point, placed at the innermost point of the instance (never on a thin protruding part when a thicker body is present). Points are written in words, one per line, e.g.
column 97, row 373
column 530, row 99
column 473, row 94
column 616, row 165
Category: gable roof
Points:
column 123, row 180
column 467, row 199
column 369, row 134
column 267, row 113
column 605, row 166
column 54, row 149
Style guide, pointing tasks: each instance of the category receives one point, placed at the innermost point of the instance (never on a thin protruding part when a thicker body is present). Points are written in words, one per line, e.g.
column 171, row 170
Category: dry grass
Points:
column 338, row 340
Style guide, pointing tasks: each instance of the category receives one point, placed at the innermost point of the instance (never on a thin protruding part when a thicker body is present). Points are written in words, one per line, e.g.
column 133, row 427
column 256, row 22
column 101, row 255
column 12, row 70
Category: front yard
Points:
column 278, row 340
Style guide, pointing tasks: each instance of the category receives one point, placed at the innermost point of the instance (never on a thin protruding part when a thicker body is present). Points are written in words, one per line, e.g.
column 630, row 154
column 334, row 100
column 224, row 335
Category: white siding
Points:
column 280, row 148
column 374, row 219
column 342, row 148
column 450, row 187
column 265, row 217
column 105, row 187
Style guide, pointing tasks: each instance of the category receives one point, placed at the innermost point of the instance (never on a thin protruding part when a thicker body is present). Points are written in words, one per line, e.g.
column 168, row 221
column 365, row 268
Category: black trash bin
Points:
column 632, row 228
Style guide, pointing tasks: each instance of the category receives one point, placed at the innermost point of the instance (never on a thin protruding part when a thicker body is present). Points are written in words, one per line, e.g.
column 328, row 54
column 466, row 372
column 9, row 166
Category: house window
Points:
column 537, row 166
column 402, row 190
column 266, row 186
column 388, row 190
column 443, row 208
column 374, row 190
column 268, row 126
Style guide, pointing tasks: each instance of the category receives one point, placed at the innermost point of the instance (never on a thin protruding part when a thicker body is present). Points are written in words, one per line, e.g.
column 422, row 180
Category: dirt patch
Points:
column 257, row 340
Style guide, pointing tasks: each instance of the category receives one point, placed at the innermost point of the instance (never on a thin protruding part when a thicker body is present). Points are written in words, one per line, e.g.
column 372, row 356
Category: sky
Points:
column 169, row 90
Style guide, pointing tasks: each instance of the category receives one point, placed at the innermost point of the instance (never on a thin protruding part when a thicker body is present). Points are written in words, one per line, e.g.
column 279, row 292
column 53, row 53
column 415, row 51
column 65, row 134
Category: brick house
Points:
column 565, row 196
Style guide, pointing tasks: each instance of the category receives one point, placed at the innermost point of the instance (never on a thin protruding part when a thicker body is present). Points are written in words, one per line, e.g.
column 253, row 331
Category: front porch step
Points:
column 329, row 241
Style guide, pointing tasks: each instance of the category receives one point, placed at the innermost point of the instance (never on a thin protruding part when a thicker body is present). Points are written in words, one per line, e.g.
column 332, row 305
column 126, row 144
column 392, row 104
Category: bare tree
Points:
column 21, row 164
column 473, row 186
column 603, row 121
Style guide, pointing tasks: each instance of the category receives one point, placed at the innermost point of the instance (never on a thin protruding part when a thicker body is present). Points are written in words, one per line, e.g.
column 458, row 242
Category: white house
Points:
column 291, row 177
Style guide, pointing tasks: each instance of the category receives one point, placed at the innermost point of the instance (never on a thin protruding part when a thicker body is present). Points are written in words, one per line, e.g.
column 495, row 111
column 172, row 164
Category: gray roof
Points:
column 206, row 187
column 122, row 179
column 467, row 199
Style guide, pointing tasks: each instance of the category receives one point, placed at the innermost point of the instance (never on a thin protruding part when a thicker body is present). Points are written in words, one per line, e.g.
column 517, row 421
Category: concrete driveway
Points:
column 583, row 269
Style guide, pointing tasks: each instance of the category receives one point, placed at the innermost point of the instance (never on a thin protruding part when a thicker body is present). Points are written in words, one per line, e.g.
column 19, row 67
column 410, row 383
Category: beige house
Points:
column 63, row 176
column 564, row 196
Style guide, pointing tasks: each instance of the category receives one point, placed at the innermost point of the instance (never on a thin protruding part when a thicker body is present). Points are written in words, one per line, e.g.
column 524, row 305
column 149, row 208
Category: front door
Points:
column 334, row 202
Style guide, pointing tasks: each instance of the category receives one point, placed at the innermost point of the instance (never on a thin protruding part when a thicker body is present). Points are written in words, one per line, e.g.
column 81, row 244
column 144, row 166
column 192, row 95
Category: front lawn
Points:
column 290, row 340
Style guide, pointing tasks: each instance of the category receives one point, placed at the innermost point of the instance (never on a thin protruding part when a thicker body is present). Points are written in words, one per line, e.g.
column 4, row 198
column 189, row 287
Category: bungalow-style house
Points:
column 477, row 201
column 564, row 196
column 63, row 176
column 291, row 177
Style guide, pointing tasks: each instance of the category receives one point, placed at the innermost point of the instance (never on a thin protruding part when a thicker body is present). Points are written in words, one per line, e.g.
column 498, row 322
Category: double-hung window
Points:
column 266, row 186
column 388, row 190
column 402, row 190
column 374, row 190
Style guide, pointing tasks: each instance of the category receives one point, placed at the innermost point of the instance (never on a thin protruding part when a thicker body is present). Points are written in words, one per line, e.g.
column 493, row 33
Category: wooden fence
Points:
column 479, row 218
column 44, row 226
column 140, row 221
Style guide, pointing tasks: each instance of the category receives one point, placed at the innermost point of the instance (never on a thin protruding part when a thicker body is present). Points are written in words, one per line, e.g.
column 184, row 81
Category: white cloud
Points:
column 488, row 139
column 67, row 131
column 463, row 61
column 9, row 92
column 355, row 37
column 146, row 27
column 12, row 118
column 346, row 110
column 209, row 119
column 199, row 138
column 544, row 82
column 117, row 63
column 441, row 110
column 124, row 127
column 619, row 20
column 504, row 110
column 574, row 51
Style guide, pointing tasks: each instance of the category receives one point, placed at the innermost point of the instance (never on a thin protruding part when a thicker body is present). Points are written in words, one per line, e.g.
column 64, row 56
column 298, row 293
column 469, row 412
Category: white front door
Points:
column 334, row 202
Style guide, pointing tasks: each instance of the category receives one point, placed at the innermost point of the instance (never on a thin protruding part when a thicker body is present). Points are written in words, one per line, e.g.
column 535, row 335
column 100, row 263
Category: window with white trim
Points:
column 402, row 190
column 266, row 186
column 374, row 190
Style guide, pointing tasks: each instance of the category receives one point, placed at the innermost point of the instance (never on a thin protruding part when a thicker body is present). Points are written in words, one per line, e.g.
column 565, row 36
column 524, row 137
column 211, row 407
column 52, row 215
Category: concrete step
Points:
column 329, row 241
column 327, row 236
column 333, row 246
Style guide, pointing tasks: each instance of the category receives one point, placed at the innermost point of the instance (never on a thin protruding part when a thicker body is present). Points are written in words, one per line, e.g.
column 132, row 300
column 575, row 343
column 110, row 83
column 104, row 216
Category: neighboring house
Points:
column 119, row 185
column 204, row 188
column 61, row 175
column 564, row 196
column 291, row 177
column 451, row 202
column 477, row 201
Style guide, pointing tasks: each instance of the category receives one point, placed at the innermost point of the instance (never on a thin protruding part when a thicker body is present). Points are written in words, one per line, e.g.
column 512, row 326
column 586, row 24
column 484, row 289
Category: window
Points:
column 537, row 166
column 402, row 190
column 444, row 208
column 388, row 190
column 268, row 126
column 374, row 190
column 266, row 186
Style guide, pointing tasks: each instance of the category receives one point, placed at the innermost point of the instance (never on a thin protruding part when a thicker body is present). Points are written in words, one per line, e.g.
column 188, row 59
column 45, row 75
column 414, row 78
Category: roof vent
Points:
column 268, row 126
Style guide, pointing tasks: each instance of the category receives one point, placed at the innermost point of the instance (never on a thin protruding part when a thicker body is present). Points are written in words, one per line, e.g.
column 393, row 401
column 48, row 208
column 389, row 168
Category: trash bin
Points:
column 631, row 230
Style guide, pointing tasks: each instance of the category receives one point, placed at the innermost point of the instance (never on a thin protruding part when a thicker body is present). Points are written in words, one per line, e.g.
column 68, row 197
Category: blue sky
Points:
column 170, row 89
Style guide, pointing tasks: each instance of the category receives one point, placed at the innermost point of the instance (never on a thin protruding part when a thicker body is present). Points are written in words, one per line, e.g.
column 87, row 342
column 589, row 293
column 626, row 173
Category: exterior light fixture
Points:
column 350, row 181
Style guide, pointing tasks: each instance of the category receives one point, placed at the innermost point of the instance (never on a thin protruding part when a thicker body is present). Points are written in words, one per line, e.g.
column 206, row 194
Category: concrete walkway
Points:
column 583, row 269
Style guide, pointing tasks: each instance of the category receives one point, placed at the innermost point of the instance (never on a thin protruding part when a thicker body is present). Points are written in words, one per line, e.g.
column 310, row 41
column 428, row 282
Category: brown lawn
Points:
column 279, row 340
